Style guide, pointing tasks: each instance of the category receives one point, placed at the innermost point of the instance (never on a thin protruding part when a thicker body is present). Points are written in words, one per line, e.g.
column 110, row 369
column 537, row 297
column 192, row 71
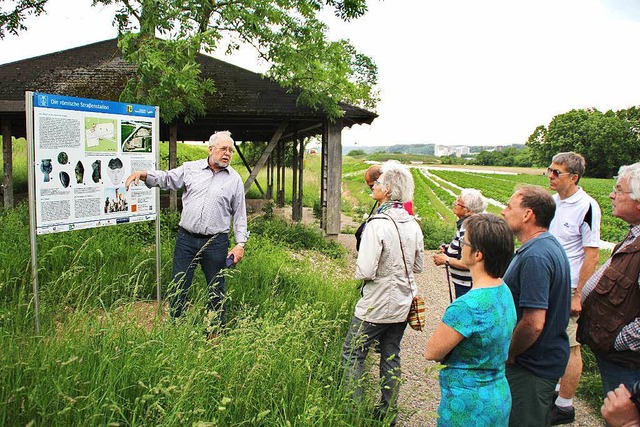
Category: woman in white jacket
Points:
column 390, row 253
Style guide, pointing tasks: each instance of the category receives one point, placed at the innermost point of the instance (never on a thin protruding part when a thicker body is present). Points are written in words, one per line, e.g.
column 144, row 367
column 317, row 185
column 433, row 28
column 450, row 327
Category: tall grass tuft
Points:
column 102, row 358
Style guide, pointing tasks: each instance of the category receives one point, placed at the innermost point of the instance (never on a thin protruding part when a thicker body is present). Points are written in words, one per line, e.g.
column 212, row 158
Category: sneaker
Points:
column 561, row 416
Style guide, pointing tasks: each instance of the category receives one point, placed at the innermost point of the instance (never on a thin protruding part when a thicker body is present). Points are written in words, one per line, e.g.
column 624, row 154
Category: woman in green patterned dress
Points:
column 472, row 340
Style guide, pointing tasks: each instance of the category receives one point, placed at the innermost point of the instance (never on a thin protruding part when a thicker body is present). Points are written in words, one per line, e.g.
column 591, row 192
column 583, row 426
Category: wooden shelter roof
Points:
column 245, row 103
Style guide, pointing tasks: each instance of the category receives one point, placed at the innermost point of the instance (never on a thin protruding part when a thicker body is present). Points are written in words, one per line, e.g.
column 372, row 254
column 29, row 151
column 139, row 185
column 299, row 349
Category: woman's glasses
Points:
column 619, row 191
column 458, row 203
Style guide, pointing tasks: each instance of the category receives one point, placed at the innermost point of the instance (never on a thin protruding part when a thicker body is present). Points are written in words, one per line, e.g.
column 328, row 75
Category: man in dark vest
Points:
column 610, row 319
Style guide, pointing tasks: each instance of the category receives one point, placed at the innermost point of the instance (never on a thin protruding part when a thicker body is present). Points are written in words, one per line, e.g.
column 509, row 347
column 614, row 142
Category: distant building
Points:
column 462, row 150
column 445, row 150
column 441, row 151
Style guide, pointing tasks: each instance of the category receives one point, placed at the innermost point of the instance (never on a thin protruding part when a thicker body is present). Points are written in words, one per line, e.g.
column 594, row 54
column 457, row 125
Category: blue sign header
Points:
column 45, row 100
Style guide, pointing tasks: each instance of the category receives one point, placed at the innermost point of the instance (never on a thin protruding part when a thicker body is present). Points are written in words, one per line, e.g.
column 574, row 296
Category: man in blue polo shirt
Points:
column 539, row 279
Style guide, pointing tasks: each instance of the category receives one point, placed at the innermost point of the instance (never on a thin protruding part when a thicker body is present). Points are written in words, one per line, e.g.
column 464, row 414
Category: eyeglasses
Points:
column 376, row 183
column 619, row 192
column 463, row 244
column 225, row 149
column 457, row 203
column 556, row 173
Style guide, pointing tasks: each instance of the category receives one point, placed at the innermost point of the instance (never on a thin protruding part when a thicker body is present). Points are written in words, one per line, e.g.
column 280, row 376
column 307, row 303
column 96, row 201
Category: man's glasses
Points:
column 229, row 150
column 556, row 173
column 463, row 244
column 619, row 192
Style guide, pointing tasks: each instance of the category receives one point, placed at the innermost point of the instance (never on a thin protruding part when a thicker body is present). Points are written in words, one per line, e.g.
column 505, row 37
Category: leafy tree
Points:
column 287, row 34
column 522, row 158
column 536, row 143
column 604, row 139
column 12, row 21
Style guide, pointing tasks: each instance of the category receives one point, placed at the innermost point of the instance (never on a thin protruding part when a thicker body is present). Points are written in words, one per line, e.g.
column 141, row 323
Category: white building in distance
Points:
column 445, row 150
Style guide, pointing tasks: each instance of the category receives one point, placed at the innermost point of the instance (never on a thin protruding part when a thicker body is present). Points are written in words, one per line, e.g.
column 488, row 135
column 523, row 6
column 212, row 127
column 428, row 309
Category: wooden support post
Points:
column 281, row 171
column 323, row 176
column 334, row 178
column 173, row 162
column 277, row 162
column 294, row 180
column 269, row 195
column 300, row 178
column 7, row 158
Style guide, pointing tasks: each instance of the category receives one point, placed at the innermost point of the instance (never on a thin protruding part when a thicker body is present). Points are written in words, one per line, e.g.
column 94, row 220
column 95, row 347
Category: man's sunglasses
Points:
column 556, row 173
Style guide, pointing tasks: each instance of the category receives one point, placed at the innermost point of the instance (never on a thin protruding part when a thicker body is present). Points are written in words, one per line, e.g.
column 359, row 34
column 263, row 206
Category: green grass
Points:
column 276, row 363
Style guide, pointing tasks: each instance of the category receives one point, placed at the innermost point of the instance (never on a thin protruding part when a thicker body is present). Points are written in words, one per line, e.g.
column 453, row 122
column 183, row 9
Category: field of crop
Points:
column 500, row 187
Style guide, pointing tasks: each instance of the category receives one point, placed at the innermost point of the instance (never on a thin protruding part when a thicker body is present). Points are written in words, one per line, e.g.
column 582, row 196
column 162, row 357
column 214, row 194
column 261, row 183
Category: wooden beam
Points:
column 267, row 152
column 294, row 135
column 7, row 157
column 246, row 165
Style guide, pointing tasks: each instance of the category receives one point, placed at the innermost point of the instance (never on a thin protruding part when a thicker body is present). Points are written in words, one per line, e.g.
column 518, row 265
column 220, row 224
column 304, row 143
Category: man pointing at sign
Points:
column 213, row 197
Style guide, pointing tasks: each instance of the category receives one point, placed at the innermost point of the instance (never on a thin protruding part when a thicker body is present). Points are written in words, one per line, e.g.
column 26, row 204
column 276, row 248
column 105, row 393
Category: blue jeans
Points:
column 613, row 375
column 362, row 336
column 210, row 253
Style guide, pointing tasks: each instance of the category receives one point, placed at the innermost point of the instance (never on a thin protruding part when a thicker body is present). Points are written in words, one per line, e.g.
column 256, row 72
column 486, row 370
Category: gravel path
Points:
column 420, row 393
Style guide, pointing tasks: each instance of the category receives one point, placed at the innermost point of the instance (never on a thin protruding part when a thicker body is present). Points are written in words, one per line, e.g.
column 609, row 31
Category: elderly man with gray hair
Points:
column 469, row 202
column 213, row 197
column 610, row 320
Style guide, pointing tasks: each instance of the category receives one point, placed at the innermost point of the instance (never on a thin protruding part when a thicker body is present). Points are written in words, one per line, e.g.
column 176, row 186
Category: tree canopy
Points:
column 162, row 38
column 606, row 140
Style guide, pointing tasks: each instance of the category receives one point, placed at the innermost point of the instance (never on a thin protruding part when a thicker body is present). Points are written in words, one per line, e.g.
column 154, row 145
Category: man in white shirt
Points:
column 576, row 225
column 212, row 200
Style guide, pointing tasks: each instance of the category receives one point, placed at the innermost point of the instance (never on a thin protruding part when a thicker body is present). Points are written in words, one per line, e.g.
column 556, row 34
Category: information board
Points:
column 84, row 149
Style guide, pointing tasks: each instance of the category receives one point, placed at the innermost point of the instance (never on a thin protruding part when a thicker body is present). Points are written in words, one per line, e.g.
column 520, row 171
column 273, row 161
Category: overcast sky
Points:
column 450, row 72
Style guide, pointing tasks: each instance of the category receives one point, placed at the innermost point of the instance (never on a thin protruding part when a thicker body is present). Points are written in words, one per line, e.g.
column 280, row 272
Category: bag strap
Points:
column 404, row 260
column 373, row 208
